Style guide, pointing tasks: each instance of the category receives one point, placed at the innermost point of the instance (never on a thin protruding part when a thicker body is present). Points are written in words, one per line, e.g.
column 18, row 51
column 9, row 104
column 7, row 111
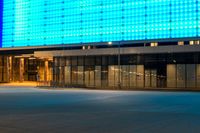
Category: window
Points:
column 154, row 44
column 180, row 43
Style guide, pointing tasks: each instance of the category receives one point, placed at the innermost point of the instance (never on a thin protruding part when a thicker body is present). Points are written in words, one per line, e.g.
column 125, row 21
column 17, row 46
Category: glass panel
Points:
column 191, row 75
column 198, row 75
column 41, row 71
column 62, row 61
column 140, row 76
column 181, row 79
column 92, row 78
column 61, row 75
column 80, row 75
column 98, row 61
column 74, row 61
column 56, row 74
column 68, row 61
column 89, row 76
column 80, row 61
column 67, row 75
column 116, row 76
column 74, row 75
column 125, row 76
column 111, row 76
column 171, row 75
column 147, row 78
column 154, row 78
column 104, row 60
column 89, row 61
column 133, row 73
column 98, row 76
column 56, row 61
column 104, row 76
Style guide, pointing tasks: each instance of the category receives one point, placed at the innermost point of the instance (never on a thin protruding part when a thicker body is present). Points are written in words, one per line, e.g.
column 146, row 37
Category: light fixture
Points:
column 31, row 58
column 109, row 43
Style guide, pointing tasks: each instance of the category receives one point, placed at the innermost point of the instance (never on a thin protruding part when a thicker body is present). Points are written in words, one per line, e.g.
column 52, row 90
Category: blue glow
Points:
column 1, row 14
column 52, row 22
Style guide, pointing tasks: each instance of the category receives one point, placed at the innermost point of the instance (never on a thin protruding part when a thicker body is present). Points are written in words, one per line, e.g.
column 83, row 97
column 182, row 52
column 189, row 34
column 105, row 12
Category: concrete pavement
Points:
column 33, row 110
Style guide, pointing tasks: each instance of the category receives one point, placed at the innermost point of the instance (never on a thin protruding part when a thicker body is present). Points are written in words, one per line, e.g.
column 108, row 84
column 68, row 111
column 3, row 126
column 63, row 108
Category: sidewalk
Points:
column 25, row 83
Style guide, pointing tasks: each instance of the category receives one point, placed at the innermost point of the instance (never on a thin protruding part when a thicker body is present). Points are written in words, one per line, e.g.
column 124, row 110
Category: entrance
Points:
column 150, row 78
column 155, row 75
column 20, row 69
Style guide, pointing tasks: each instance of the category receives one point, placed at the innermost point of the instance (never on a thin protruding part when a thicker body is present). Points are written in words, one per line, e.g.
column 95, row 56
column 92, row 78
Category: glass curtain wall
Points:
column 136, row 71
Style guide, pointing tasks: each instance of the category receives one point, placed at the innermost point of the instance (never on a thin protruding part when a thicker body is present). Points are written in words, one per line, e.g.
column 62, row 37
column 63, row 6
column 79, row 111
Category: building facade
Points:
column 102, row 44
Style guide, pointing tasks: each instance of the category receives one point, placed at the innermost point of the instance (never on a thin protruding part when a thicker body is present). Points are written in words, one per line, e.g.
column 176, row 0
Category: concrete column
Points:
column 46, row 70
column 21, row 70
column 9, row 69
column 4, row 69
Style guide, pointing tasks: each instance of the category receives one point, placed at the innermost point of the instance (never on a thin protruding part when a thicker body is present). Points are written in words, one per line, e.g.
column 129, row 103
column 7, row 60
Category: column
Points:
column 21, row 70
column 9, row 69
column 46, row 70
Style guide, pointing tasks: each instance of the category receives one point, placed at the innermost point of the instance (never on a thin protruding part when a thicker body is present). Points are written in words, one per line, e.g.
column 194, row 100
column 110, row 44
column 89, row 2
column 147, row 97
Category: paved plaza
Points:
column 28, row 109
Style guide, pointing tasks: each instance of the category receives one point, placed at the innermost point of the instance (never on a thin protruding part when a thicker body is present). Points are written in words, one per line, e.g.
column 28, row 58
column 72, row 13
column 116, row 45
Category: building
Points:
column 122, row 44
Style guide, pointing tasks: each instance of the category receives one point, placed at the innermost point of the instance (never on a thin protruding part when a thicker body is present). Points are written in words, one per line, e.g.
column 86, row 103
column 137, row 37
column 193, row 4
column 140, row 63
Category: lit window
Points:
column 154, row 44
column 180, row 43
column 197, row 42
column 191, row 42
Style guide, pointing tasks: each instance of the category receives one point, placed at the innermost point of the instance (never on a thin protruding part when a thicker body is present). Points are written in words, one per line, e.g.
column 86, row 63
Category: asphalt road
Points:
column 30, row 110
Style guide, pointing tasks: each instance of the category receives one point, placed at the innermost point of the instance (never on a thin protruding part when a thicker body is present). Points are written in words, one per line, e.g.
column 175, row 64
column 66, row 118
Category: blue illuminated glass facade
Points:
column 52, row 22
column 1, row 14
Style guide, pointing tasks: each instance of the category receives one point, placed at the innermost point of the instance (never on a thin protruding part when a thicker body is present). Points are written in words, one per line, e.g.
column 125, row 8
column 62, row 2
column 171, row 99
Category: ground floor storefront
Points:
column 133, row 71
column 22, row 69
column 164, row 67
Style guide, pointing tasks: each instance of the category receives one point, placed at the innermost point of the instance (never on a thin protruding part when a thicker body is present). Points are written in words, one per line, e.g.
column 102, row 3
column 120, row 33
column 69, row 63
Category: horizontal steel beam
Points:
column 123, row 51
